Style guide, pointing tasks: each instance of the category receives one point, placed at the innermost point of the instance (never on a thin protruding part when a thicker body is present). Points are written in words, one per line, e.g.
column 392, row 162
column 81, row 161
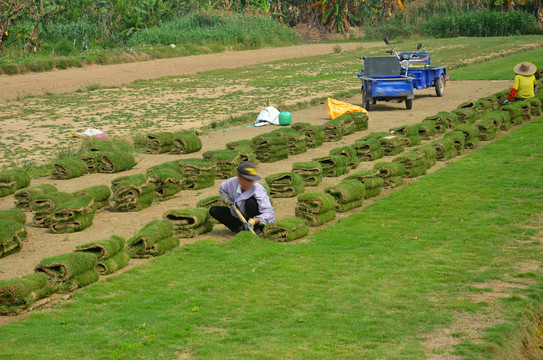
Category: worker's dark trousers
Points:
column 224, row 216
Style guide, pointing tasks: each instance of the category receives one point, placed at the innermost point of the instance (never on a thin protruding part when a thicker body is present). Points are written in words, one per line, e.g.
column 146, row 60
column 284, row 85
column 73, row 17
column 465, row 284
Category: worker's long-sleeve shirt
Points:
column 231, row 189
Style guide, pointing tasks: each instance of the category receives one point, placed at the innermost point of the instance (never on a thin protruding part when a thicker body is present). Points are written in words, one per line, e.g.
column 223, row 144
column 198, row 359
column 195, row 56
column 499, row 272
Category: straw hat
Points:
column 525, row 68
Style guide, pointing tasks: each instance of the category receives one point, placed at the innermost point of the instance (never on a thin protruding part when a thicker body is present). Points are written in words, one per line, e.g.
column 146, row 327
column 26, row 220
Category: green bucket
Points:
column 285, row 118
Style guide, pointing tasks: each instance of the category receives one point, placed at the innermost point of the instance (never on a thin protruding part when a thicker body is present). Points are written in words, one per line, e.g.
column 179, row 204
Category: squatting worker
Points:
column 250, row 197
column 525, row 83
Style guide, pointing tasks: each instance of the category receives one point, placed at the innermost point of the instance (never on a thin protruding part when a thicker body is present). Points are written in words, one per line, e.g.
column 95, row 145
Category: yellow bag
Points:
column 337, row 108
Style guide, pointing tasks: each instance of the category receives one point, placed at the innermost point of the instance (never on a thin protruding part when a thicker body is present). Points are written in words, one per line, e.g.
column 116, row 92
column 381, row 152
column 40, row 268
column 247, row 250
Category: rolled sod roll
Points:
column 373, row 155
column 99, row 193
column 366, row 146
column 174, row 165
column 430, row 153
column 24, row 196
column 73, row 215
column 315, row 220
column 43, row 206
column 314, row 135
column 284, row 184
column 114, row 162
column 411, row 158
column 208, row 202
column 285, row 230
column 226, row 162
column 373, row 186
column 364, row 174
column 89, row 159
column 145, row 241
column 348, row 194
column 392, row 144
column 394, row 181
column 12, row 235
column 445, row 149
column 499, row 118
column 535, row 104
column 113, row 263
column 515, row 113
column 296, row 140
column 240, row 143
column 487, row 129
column 159, row 142
column 103, row 249
column 415, row 171
column 247, row 153
column 81, row 280
column 185, row 142
column 310, row 172
column 458, row 138
column 349, row 152
column 189, row 222
column 349, row 124
column 405, row 130
column 196, row 167
column 412, row 140
column 389, row 169
column 20, row 293
column 333, row 130
column 12, row 180
column 167, row 182
column 526, row 107
column 466, row 116
column 427, row 129
column 132, row 193
column 15, row 215
column 470, row 131
column 334, row 165
column 65, row 266
column 270, row 147
column 108, row 145
column 68, row 168
column 46, row 203
column 315, row 203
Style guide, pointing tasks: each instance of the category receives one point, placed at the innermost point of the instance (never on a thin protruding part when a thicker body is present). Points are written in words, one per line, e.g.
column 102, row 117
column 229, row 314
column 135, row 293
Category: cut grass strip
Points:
column 12, row 235
column 12, row 180
column 65, row 266
column 114, row 162
column 285, row 230
column 68, row 168
column 24, row 196
column 15, row 215
column 185, row 142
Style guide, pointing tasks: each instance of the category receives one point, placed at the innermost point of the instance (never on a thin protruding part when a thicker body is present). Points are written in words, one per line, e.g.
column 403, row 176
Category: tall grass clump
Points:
column 481, row 24
column 395, row 27
column 226, row 29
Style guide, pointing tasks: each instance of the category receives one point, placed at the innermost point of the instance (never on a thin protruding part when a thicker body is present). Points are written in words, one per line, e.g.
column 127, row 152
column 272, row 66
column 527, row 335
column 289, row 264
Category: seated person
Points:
column 249, row 196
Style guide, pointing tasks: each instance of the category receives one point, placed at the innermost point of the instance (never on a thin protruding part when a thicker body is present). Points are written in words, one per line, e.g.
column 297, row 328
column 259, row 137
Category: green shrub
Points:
column 64, row 47
column 9, row 69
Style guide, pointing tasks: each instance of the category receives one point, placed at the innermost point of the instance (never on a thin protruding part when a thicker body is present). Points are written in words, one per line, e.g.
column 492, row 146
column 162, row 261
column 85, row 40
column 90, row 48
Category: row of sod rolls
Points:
column 181, row 142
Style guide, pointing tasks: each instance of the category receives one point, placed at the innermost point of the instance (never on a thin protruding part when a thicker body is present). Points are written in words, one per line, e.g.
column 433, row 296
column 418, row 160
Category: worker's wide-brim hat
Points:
column 525, row 68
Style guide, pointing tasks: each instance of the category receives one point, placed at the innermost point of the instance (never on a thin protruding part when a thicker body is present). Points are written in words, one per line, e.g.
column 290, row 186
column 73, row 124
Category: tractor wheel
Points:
column 440, row 86
column 408, row 104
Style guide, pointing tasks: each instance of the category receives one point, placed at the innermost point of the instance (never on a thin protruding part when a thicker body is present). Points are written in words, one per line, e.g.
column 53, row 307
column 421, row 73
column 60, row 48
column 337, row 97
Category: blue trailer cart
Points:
column 386, row 78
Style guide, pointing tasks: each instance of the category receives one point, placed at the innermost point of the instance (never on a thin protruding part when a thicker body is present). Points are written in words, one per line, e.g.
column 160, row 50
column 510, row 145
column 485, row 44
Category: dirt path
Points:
column 113, row 75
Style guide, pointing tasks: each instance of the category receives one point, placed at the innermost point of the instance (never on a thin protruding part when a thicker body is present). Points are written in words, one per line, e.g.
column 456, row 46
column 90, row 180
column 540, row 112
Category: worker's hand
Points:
column 227, row 202
column 250, row 224
column 506, row 102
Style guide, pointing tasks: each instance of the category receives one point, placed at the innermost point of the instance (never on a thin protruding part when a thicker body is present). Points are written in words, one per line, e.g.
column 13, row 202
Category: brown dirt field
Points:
column 113, row 75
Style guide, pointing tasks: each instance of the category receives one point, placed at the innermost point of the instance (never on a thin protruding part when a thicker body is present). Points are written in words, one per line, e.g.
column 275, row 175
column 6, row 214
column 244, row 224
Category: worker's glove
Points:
column 506, row 102
column 250, row 224
column 227, row 202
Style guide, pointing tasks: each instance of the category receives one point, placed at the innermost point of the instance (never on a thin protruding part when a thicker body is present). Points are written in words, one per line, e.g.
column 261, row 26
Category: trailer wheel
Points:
column 365, row 103
column 440, row 86
column 408, row 104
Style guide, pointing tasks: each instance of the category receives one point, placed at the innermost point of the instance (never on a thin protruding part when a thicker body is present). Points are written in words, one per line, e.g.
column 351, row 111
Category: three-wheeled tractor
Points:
column 386, row 78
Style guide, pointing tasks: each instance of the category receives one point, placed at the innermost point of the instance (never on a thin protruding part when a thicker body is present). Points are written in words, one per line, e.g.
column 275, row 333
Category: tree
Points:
column 10, row 11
